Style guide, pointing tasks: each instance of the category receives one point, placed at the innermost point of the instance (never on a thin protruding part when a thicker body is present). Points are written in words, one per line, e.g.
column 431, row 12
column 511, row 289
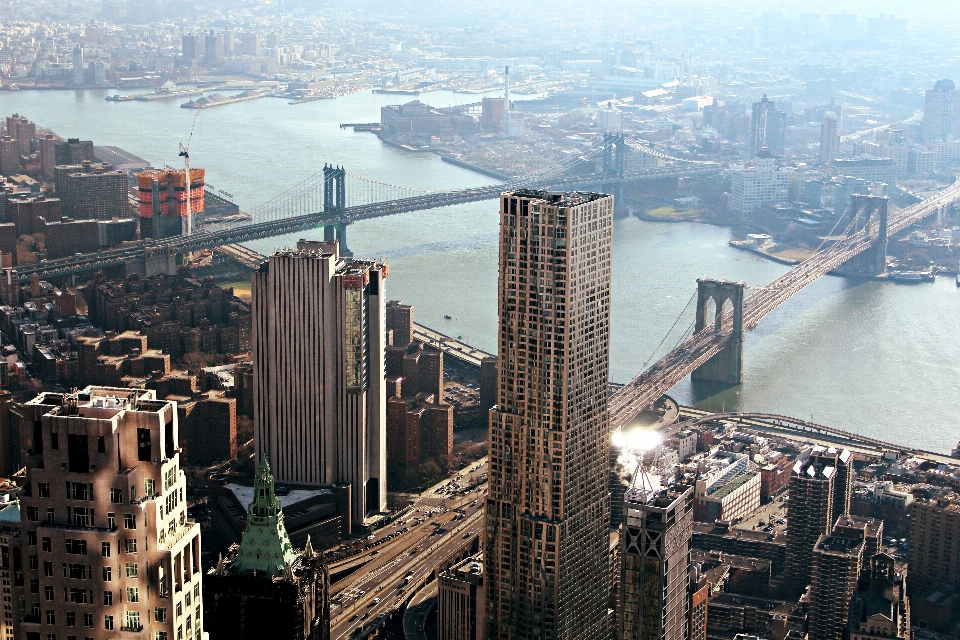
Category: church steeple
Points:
column 265, row 547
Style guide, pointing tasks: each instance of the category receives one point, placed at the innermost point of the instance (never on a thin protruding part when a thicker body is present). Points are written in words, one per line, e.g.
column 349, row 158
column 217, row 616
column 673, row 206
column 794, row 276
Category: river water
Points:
column 878, row 359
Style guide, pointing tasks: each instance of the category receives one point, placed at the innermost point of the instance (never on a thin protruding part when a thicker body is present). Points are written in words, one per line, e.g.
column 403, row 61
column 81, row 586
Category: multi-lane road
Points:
column 443, row 520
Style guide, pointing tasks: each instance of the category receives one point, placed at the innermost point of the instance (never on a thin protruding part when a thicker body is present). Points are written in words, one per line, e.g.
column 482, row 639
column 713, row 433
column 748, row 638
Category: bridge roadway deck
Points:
column 294, row 224
column 649, row 385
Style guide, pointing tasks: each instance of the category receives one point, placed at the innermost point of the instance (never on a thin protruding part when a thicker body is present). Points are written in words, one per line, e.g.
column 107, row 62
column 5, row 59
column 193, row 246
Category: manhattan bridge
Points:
column 710, row 350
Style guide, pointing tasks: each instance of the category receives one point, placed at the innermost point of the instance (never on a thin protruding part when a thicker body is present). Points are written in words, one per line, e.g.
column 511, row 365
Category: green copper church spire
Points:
column 265, row 547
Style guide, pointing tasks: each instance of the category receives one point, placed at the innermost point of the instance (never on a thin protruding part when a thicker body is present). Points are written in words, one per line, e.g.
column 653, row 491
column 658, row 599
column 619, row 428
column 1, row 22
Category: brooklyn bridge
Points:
column 714, row 350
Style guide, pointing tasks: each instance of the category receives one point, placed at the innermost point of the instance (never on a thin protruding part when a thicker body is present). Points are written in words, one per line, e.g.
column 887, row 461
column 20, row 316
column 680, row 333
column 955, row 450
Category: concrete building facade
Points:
column 461, row 606
column 319, row 390
column 547, row 513
column 107, row 545
column 935, row 540
column 655, row 597
column 753, row 186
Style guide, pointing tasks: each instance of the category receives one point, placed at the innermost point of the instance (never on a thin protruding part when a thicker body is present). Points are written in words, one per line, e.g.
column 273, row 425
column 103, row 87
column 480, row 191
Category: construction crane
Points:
column 185, row 154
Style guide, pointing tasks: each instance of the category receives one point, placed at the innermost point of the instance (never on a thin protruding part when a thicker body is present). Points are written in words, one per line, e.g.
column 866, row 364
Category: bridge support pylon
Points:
column 335, row 204
column 864, row 212
column 727, row 366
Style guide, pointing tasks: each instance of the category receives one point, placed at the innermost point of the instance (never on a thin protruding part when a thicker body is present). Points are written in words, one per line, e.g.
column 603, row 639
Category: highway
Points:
column 394, row 570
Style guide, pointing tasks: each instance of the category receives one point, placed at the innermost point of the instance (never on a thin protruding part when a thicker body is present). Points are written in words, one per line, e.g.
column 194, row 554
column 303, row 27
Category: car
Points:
column 375, row 602
column 364, row 616
column 353, row 617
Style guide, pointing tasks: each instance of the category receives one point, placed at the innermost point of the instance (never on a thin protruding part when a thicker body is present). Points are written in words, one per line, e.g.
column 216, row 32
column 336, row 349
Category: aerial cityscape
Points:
column 327, row 320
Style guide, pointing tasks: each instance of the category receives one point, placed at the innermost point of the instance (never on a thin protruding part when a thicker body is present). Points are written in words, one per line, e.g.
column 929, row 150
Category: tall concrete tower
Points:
column 319, row 395
column 548, row 508
column 655, row 563
column 78, row 66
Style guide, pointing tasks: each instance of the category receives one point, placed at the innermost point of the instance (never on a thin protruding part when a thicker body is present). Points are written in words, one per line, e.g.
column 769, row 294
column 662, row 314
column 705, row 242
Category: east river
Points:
column 878, row 359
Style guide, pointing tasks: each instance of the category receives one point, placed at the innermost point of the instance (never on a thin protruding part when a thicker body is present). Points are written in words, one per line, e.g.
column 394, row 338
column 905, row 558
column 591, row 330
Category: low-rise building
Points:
column 461, row 603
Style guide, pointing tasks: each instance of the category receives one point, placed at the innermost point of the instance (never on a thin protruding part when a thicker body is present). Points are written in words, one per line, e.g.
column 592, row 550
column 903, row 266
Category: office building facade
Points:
column 941, row 112
column 319, row 389
column 935, row 540
column 810, row 514
column 829, row 139
column 460, row 610
column 756, row 185
column 547, row 512
column 655, row 596
column 768, row 128
column 837, row 559
column 106, row 542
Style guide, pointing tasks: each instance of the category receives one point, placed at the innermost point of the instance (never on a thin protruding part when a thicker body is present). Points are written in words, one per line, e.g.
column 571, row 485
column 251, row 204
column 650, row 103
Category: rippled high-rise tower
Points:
column 548, row 508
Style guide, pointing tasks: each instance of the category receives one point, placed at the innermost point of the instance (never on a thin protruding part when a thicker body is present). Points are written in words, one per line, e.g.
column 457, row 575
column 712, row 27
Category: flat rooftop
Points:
column 244, row 494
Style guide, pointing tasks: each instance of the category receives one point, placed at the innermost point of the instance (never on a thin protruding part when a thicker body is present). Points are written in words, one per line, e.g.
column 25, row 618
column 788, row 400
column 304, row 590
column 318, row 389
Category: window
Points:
column 107, row 574
column 144, row 446
column 71, row 619
column 133, row 620
column 50, row 516
column 47, row 568
column 180, row 633
column 131, row 569
column 112, row 521
column 131, row 545
column 129, row 521
column 133, row 594
column 43, row 489
column 116, row 496
column 101, row 444
column 81, row 491
column 148, row 486
column 133, row 493
column 179, row 609
column 48, row 593
column 161, row 635
column 54, row 440
column 32, row 538
column 186, row 599
column 78, row 596
column 78, row 453
column 77, row 547
column 105, row 549
column 78, row 571
column 196, row 590
column 88, row 620
column 51, row 617
column 34, row 585
column 80, row 516
column 47, row 544
column 33, row 514
column 108, row 598
column 33, row 562
column 169, row 477
column 108, row 623
column 160, row 614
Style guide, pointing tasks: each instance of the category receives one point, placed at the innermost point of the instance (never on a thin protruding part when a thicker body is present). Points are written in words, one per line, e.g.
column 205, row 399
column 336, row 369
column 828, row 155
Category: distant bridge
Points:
column 714, row 352
column 323, row 200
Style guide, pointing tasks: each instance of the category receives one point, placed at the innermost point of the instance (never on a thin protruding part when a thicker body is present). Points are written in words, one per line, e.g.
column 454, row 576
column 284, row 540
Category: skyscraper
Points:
column 104, row 520
column 810, row 514
column 836, row 569
column 548, row 506
column 941, row 112
column 319, row 392
column 935, row 540
column 829, row 139
column 78, row 68
column 768, row 128
column 654, row 586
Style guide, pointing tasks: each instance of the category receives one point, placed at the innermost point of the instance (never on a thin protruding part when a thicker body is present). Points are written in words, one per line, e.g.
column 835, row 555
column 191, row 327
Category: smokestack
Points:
column 506, row 102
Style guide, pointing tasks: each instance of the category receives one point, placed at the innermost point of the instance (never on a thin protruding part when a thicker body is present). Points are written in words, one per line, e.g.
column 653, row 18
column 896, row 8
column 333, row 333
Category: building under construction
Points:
column 165, row 201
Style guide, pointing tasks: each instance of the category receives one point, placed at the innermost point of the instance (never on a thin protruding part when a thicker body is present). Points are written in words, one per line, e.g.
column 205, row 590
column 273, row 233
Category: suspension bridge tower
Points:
column 614, row 165
column 869, row 214
column 727, row 366
column 335, row 206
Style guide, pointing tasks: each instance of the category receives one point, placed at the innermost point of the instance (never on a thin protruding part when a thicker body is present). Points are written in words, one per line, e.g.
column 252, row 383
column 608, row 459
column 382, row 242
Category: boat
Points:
column 447, row 317
column 119, row 98
column 912, row 277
